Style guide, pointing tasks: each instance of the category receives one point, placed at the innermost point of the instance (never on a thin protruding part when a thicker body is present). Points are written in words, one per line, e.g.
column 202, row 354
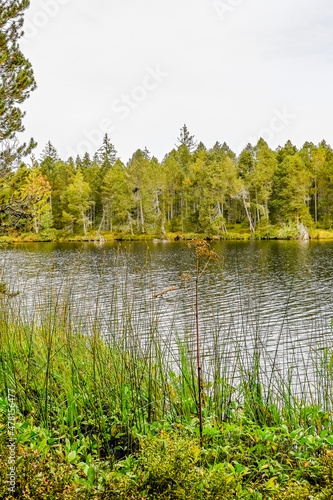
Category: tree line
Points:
column 193, row 189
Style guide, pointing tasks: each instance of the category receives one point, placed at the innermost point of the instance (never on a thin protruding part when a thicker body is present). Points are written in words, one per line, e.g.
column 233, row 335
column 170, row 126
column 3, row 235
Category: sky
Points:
column 232, row 70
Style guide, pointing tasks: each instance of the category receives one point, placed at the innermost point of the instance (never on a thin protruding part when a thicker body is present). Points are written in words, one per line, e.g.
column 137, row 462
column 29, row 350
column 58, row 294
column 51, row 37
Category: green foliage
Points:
column 77, row 203
column 239, row 460
column 117, row 198
column 200, row 191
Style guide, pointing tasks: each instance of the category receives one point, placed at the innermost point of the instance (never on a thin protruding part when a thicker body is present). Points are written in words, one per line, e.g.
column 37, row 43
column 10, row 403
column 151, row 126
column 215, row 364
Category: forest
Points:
column 192, row 190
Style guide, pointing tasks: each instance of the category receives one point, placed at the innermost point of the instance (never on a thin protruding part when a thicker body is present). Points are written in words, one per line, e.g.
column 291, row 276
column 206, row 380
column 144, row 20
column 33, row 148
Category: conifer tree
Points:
column 107, row 155
column 262, row 178
column 295, row 189
column 17, row 82
column 48, row 159
column 117, row 197
column 185, row 139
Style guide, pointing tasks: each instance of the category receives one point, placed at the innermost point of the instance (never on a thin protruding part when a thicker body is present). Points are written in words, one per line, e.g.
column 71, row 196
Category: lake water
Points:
column 272, row 297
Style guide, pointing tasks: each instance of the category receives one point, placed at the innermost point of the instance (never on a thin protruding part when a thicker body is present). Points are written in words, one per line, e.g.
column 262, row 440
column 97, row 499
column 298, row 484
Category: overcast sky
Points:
column 232, row 70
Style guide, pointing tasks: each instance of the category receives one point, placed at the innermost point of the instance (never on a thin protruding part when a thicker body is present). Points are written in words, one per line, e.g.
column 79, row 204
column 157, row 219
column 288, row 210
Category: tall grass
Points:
column 78, row 380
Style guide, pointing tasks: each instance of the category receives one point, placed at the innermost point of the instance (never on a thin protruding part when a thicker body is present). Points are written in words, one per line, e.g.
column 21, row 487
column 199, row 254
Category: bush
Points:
column 171, row 467
column 38, row 477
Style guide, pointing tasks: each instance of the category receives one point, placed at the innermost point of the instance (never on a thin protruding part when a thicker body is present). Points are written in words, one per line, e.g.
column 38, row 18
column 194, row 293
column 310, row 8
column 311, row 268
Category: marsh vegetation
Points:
column 110, row 409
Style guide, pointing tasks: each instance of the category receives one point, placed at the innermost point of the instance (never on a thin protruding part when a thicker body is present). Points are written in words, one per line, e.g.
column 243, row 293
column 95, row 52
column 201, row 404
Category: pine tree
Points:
column 246, row 161
column 186, row 139
column 295, row 190
column 314, row 158
column 262, row 178
column 59, row 178
column 93, row 176
column 116, row 197
column 17, row 82
column 143, row 178
column 86, row 162
column 107, row 155
column 48, row 159
column 200, row 146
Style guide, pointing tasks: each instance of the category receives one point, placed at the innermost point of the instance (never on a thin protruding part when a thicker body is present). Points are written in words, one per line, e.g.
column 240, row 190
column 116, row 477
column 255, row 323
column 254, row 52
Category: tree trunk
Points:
column 36, row 226
column 102, row 221
column 181, row 211
column 248, row 214
column 316, row 202
column 130, row 223
column 142, row 217
column 162, row 225
column 84, row 223
column 161, row 213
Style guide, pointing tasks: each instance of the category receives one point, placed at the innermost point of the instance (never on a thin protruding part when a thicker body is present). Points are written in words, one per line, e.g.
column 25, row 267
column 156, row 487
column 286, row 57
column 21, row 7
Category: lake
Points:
column 269, row 297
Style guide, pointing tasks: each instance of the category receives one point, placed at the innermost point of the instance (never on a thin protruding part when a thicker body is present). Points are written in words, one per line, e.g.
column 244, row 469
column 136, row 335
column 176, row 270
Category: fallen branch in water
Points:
column 165, row 291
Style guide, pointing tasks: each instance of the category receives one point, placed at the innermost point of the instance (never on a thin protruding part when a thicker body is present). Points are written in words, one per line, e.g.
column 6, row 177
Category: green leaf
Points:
column 239, row 468
column 231, row 468
column 91, row 475
column 71, row 456
column 67, row 445
column 119, row 435
column 271, row 483
column 42, row 445
column 329, row 439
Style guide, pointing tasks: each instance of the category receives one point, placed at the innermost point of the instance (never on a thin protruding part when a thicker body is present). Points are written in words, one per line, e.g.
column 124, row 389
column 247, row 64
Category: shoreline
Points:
column 316, row 235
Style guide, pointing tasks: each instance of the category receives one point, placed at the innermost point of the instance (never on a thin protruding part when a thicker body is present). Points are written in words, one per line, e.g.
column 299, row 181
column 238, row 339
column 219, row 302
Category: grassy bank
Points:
column 234, row 232
column 117, row 419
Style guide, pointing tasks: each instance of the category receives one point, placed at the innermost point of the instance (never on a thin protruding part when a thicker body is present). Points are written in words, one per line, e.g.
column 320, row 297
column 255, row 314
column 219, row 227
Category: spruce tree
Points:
column 48, row 159
column 185, row 139
column 107, row 155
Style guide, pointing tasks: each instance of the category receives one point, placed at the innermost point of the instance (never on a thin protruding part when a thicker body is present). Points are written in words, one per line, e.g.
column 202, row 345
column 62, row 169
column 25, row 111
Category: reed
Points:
column 98, row 384
column 69, row 373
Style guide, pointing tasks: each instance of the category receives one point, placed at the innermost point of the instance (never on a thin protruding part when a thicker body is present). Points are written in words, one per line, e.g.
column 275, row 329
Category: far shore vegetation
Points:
column 193, row 192
column 237, row 232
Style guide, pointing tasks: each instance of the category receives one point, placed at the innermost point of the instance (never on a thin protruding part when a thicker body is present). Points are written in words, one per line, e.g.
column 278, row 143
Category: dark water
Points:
column 274, row 297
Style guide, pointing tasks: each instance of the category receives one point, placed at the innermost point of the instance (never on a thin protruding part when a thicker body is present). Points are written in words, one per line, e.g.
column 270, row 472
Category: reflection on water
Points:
column 272, row 297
